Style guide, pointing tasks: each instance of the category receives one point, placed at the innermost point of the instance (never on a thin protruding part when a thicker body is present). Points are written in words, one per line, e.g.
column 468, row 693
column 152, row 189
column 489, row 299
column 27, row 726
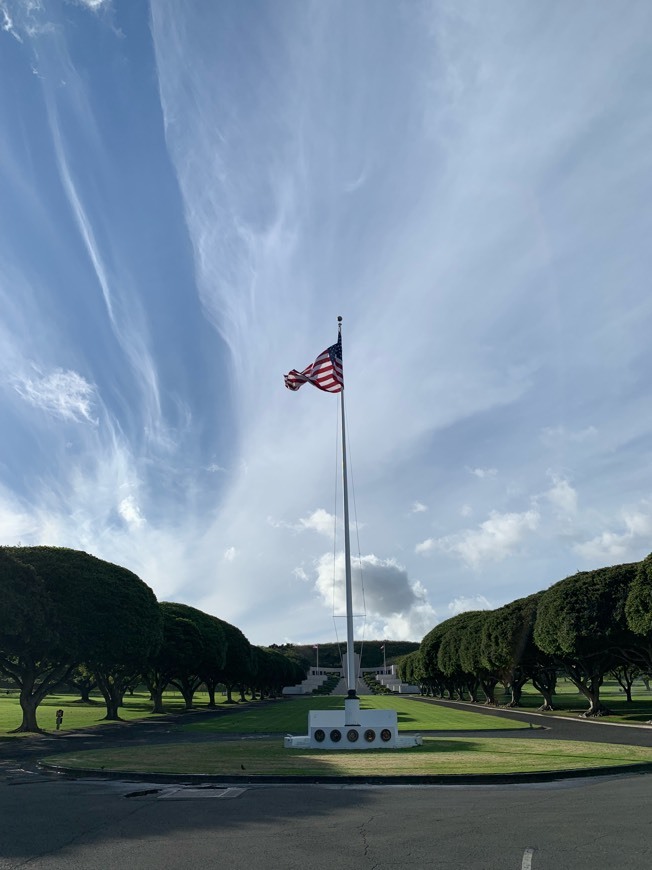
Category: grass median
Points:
column 291, row 717
column 437, row 757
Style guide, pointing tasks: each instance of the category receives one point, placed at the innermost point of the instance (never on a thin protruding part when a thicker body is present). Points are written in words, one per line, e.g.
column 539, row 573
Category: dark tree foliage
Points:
column 105, row 618
column 410, row 670
column 274, row 671
column 638, row 610
column 84, row 682
column 181, row 648
column 32, row 654
column 471, row 656
column 239, row 663
column 108, row 616
column 372, row 654
column 456, row 659
column 581, row 623
column 508, row 648
column 206, row 669
column 436, row 682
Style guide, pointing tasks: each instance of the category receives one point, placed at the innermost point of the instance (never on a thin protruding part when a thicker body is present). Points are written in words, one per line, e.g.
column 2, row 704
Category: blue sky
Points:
column 190, row 193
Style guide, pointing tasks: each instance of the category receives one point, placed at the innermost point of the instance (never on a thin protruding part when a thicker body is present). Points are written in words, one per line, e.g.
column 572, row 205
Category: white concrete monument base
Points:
column 352, row 728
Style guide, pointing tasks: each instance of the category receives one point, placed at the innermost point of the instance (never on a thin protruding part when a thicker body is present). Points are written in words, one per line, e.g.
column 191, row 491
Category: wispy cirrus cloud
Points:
column 61, row 393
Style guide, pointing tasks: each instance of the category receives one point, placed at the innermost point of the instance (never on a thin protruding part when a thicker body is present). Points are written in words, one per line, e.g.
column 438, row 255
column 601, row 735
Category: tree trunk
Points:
column 545, row 682
column 516, row 689
column 489, row 689
column 590, row 688
column 112, row 694
column 31, row 693
column 472, row 688
column 157, row 700
column 229, row 695
column 28, row 704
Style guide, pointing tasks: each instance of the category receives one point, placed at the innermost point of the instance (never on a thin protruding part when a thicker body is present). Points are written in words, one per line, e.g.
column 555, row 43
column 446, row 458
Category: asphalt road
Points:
column 49, row 822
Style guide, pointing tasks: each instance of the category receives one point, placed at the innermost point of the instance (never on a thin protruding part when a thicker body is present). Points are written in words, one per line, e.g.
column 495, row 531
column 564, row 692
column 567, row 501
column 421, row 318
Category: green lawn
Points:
column 78, row 715
column 291, row 717
column 438, row 756
column 568, row 701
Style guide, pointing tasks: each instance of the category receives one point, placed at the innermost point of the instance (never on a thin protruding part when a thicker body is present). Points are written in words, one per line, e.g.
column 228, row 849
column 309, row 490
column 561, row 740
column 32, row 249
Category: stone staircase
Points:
column 341, row 688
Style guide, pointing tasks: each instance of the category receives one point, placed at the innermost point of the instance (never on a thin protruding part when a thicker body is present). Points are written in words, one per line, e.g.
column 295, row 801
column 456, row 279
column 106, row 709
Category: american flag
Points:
column 325, row 373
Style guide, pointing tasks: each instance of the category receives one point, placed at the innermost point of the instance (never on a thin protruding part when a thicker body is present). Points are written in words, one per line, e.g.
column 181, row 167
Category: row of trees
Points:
column 587, row 626
column 68, row 617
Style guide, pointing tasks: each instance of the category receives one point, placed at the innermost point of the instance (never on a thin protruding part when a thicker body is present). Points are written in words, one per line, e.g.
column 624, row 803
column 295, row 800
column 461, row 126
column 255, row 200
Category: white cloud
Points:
column 483, row 472
column 230, row 554
column 94, row 5
column 319, row 521
column 130, row 512
column 463, row 603
column 64, row 394
column 394, row 606
column 494, row 540
column 466, row 510
column 562, row 496
column 7, row 23
column 610, row 546
column 425, row 546
column 418, row 508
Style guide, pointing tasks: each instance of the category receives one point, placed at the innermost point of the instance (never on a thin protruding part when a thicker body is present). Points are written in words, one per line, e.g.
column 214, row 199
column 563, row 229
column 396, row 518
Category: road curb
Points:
column 448, row 779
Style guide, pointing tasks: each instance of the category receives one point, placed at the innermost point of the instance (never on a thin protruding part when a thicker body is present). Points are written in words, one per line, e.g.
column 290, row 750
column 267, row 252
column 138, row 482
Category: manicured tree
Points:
column 84, row 681
column 450, row 656
column 625, row 674
column 105, row 617
column 508, row 645
column 208, row 668
column 405, row 667
column 275, row 671
column 32, row 654
column 108, row 616
column 581, row 624
column 433, row 677
column 410, row 670
column 638, row 610
column 238, row 664
column 181, row 649
column 471, row 658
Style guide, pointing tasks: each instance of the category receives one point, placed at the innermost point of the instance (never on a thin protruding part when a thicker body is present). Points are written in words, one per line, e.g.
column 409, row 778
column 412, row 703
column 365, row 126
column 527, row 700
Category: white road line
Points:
column 527, row 859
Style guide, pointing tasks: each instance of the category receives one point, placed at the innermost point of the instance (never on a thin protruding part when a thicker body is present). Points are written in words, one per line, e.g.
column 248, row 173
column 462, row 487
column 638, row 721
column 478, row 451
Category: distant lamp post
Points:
column 316, row 647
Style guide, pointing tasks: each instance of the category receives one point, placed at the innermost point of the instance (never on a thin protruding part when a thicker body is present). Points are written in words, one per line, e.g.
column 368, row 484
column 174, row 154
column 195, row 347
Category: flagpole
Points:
column 350, row 653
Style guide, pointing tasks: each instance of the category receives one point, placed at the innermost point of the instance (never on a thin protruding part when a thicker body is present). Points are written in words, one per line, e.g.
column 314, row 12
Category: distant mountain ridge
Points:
column 373, row 655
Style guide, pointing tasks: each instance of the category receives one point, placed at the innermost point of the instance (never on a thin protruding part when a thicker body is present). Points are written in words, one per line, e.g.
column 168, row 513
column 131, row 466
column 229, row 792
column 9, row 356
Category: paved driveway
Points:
column 50, row 822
